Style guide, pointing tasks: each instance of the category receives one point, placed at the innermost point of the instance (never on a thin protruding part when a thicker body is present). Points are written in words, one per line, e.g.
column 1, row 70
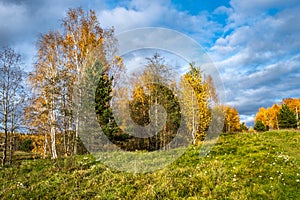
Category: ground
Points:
column 240, row 166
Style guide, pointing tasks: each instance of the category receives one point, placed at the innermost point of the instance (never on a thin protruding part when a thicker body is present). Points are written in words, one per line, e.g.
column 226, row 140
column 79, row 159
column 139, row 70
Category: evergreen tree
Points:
column 103, row 109
column 286, row 117
column 259, row 126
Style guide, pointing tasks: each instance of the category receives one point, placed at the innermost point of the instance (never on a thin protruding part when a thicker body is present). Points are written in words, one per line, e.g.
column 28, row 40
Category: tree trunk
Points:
column 77, row 115
column 5, row 137
column 76, row 135
column 45, row 145
column 53, row 135
column 53, row 143
column 4, row 148
column 11, row 144
column 11, row 137
column 193, row 121
column 156, row 123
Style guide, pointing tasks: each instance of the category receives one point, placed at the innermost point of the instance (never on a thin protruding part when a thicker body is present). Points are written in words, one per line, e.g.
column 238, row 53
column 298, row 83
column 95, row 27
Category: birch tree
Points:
column 63, row 60
column 83, row 36
column 46, row 83
column 196, row 100
column 12, row 96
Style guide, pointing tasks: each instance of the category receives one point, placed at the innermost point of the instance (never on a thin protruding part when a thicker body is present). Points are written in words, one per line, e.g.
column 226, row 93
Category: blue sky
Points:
column 254, row 43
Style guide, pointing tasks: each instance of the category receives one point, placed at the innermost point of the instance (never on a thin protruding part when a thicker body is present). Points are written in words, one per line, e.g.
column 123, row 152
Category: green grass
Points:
column 240, row 166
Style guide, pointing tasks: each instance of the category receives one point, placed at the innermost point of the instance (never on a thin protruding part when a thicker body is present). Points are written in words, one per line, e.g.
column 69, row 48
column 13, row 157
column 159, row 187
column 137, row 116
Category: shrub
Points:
column 26, row 145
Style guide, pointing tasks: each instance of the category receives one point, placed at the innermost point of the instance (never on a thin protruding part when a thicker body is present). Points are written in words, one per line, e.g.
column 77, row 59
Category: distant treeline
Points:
column 280, row 116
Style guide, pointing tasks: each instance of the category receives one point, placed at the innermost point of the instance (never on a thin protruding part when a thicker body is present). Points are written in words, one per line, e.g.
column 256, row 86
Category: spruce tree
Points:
column 286, row 117
column 259, row 126
column 103, row 109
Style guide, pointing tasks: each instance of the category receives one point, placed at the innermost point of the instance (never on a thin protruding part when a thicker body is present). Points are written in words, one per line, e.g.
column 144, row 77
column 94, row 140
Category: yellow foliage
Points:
column 293, row 103
column 195, row 94
column 38, row 142
column 232, row 120
column 268, row 116
column 251, row 130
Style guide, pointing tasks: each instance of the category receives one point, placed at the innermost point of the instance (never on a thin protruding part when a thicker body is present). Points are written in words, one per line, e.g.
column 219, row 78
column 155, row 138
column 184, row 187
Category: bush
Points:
column 26, row 145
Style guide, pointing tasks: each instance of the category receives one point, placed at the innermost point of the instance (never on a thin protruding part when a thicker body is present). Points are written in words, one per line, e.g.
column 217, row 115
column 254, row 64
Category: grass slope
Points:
column 240, row 166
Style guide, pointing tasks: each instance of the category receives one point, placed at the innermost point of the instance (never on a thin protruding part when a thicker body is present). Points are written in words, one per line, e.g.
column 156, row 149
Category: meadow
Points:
column 240, row 166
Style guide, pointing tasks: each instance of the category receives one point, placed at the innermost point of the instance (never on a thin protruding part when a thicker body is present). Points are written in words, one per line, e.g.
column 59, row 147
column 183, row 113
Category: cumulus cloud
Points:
column 140, row 13
column 258, row 55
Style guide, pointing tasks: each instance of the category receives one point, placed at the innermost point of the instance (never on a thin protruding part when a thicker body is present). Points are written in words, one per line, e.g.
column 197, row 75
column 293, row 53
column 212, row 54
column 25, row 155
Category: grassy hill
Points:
column 240, row 166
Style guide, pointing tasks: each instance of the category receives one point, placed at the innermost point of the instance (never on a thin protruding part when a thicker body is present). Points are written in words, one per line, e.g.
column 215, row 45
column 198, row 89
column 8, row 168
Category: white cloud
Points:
column 139, row 14
column 135, row 14
column 258, row 58
column 250, row 6
column 248, row 119
column 124, row 19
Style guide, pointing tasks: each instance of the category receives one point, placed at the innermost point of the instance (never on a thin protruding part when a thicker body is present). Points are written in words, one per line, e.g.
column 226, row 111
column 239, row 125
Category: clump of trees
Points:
column 280, row 116
column 151, row 88
column 63, row 59
column 12, row 100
